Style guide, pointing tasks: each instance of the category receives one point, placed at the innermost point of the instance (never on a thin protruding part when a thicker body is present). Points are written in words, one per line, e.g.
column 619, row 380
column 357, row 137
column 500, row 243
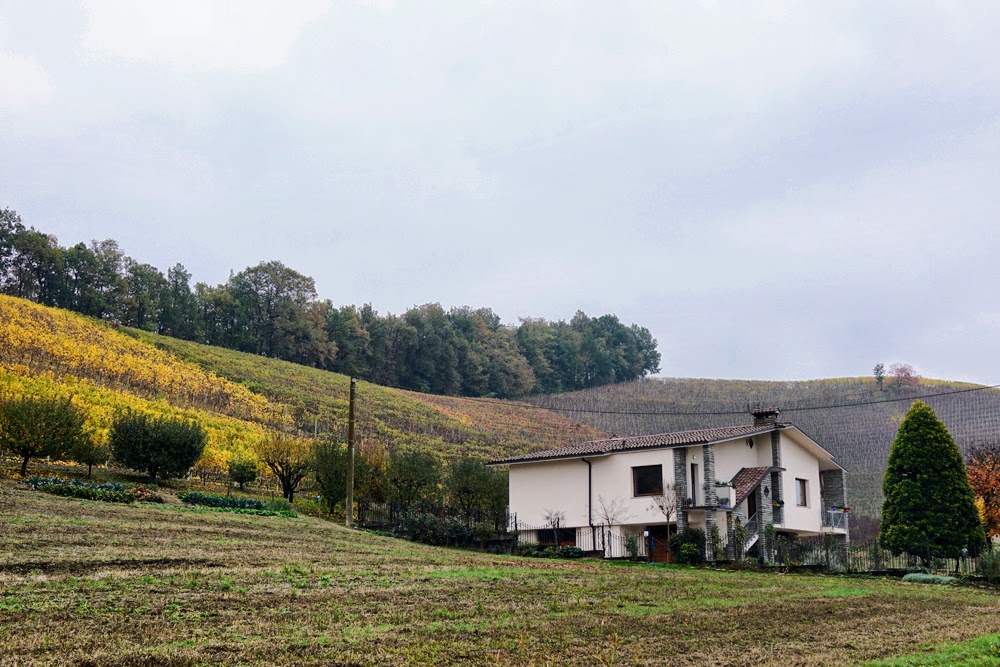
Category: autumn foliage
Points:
column 983, row 468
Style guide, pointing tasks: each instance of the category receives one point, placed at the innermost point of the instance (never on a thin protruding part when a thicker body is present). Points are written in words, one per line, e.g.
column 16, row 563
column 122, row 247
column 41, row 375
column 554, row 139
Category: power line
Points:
column 684, row 413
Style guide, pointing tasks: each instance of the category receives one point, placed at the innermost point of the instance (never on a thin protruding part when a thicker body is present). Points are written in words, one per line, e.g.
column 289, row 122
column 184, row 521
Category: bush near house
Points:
column 689, row 545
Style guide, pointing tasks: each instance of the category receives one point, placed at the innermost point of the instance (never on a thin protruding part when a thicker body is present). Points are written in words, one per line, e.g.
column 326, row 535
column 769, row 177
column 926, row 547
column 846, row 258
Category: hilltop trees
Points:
column 879, row 373
column 160, row 446
column 37, row 427
column 272, row 310
column 929, row 507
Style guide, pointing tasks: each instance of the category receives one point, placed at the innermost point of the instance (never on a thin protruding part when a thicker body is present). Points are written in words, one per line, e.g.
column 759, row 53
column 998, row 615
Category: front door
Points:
column 660, row 550
column 752, row 504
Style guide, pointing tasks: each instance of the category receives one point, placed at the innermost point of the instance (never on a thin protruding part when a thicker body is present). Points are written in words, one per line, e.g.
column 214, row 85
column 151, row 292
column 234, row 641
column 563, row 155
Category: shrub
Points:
column 278, row 505
column 253, row 512
column 695, row 537
column 989, row 567
column 631, row 545
column 422, row 527
column 85, row 491
column 36, row 482
column 570, row 552
column 689, row 554
column 145, row 495
column 158, row 445
column 539, row 551
column 919, row 578
column 213, row 500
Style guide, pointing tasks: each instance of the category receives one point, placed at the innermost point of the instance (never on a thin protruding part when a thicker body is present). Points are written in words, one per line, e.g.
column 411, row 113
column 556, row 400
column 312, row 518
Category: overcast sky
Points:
column 776, row 190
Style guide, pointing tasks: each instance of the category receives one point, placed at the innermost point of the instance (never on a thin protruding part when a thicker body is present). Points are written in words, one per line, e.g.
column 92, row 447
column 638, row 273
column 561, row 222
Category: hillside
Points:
column 91, row 583
column 52, row 352
column 55, row 353
column 391, row 417
column 858, row 435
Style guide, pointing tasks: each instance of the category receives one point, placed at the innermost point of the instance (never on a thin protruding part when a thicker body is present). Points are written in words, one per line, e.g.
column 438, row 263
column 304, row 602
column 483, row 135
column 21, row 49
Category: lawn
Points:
column 89, row 583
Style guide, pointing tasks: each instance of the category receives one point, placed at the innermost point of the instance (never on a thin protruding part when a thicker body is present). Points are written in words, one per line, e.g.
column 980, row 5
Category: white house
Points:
column 754, row 475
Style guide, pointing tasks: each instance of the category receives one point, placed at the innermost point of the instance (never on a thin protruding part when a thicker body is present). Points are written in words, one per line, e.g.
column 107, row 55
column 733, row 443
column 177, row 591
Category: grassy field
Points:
column 88, row 583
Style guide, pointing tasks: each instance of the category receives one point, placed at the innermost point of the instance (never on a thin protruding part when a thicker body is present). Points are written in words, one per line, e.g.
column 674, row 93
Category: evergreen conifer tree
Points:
column 929, row 508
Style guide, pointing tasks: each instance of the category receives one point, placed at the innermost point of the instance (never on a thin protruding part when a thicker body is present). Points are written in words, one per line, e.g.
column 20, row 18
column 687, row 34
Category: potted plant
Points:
column 688, row 502
column 723, row 502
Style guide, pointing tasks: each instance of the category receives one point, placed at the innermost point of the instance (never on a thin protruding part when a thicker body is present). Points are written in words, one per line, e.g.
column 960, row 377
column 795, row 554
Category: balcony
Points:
column 835, row 519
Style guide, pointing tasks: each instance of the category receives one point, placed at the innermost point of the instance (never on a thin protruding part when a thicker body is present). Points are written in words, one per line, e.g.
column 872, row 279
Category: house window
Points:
column 802, row 492
column 647, row 480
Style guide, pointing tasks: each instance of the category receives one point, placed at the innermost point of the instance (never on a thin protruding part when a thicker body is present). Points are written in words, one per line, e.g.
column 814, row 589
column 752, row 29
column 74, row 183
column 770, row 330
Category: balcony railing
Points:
column 835, row 519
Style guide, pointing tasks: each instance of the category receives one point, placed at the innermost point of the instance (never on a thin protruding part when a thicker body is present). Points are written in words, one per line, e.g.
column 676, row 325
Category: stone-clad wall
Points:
column 681, row 485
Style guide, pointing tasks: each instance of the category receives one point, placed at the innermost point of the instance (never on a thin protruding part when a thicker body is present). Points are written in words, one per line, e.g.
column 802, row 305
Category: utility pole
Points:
column 350, row 457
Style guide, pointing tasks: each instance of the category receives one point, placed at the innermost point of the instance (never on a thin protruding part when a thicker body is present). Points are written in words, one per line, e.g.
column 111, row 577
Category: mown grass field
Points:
column 88, row 583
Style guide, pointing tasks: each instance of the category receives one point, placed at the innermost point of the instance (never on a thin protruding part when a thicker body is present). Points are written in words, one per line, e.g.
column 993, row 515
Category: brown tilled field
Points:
column 89, row 583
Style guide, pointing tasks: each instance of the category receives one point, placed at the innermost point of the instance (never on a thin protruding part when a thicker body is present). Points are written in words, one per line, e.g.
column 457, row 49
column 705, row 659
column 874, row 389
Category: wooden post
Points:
column 349, row 508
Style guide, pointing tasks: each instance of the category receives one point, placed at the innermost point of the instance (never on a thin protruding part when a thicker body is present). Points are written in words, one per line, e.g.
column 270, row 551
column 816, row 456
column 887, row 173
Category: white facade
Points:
column 575, row 485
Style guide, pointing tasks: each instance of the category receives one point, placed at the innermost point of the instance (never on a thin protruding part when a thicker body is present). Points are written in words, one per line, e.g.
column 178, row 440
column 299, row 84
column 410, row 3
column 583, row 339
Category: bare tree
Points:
column 667, row 502
column 553, row 519
column 612, row 511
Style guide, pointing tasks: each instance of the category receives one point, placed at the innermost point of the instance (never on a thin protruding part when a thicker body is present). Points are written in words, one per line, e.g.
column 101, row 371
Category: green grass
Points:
column 158, row 585
column 979, row 652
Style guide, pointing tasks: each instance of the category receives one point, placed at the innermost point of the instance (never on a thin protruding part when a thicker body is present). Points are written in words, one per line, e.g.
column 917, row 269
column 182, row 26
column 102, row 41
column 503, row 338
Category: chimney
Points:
column 765, row 416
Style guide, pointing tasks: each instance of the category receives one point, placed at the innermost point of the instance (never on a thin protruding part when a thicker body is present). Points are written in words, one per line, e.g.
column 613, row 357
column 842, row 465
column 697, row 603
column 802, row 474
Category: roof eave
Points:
column 701, row 443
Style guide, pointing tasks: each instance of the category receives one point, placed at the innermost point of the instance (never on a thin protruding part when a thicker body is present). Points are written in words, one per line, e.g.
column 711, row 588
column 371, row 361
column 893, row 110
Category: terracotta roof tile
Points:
column 746, row 480
column 658, row 441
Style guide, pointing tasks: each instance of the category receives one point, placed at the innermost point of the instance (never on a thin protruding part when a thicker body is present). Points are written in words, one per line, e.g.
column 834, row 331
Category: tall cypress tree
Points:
column 929, row 508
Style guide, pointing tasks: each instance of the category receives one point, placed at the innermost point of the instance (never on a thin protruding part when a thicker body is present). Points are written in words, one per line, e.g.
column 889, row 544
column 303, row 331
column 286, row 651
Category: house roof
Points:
column 639, row 442
column 746, row 480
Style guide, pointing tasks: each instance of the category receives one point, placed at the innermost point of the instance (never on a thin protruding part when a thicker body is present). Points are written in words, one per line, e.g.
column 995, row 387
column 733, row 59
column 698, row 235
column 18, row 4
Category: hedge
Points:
column 213, row 500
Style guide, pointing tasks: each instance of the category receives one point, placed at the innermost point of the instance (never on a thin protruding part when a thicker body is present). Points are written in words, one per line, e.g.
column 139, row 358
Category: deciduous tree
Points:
column 37, row 427
column 243, row 471
column 160, row 446
column 903, row 375
column 289, row 457
column 90, row 451
column 879, row 372
column 414, row 475
column 983, row 468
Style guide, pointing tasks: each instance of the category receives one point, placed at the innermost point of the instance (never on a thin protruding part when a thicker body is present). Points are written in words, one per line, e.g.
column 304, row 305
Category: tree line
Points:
column 272, row 310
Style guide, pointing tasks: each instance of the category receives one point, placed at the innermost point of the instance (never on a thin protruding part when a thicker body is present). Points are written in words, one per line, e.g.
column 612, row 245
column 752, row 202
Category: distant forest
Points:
column 273, row 310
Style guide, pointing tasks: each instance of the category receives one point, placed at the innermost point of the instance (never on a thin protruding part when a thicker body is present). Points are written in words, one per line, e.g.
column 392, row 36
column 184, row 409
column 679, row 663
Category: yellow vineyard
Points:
column 54, row 353
column 40, row 341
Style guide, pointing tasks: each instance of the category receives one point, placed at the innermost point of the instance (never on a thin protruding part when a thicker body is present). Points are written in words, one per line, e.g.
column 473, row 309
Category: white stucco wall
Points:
column 800, row 464
column 549, row 485
column 613, row 479
column 562, row 486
